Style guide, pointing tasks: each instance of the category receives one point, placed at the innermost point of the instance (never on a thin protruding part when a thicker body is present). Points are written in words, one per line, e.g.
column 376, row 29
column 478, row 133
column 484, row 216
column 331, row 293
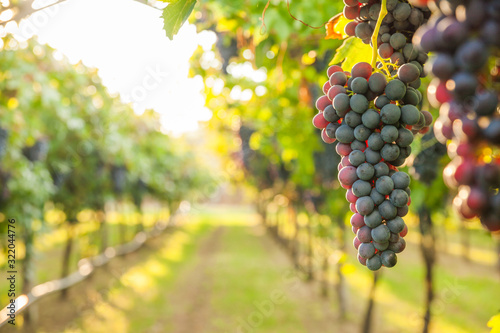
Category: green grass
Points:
column 247, row 271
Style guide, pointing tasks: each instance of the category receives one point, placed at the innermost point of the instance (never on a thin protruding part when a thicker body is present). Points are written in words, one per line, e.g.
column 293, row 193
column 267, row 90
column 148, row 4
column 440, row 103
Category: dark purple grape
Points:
column 372, row 156
column 374, row 263
column 401, row 180
column 365, row 205
column 395, row 90
column 359, row 85
column 396, row 225
column 397, row 41
column 352, row 119
column 366, row 250
column 345, row 134
column 390, row 152
column 410, row 115
column 362, row 188
column 391, row 113
column 402, row 12
column 365, row 171
column 362, row 133
column 389, row 133
column 408, row 73
column 359, row 103
column 387, row 210
column 375, row 141
column 399, row 198
column 373, row 220
column 388, row 258
column 370, row 119
column 330, row 114
column 377, row 82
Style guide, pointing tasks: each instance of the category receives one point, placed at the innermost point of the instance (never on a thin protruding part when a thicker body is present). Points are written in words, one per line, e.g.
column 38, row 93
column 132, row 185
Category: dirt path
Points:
column 193, row 311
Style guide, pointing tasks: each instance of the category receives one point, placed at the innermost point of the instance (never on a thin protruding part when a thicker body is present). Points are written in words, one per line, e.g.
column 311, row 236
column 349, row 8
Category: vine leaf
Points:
column 175, row 14
column 352, row 51
column 494, row 323
column 335, row 27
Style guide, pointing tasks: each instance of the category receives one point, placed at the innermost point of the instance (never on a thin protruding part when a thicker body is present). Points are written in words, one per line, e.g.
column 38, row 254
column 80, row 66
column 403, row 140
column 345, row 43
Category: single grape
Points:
column 375, row 141
column 345, row 134
column 362, row 188
column 410, row 115
column 362, row 69
column 387, row 210
column 408, row 73
column 357, row 220
column 388, row 258
column 389, row 133
column 382, row 101
column 397, row 41
column 357, row 157
column 371, row 118
column 359, row 103
column 365, row 205
column 372, row 156
column 366, row 250
column 395, row 90
column 347, row 175
column 399, row 198
column 352, row 119
column 341, row 104
column 374, row 263
column 405, row 137
column 362, row 133
column 384, row 185
column 365, row 171
column 373, row 220
column 396, row 225
column 331, row 129
column 364, row 234
column 359, row 85
column 377, row 82
column 401, row 180
column 391, row 113
column 390, row 152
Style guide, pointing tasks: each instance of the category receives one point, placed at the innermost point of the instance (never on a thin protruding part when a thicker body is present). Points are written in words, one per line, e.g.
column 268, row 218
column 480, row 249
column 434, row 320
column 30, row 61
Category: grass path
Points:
column 220, row 273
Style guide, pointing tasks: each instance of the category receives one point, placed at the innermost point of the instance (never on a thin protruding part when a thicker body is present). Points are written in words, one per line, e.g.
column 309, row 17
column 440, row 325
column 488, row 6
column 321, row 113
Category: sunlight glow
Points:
column 135, row 60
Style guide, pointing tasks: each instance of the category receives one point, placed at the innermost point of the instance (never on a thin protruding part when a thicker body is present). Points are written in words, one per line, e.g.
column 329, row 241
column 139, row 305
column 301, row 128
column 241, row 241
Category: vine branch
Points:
column 381, row 16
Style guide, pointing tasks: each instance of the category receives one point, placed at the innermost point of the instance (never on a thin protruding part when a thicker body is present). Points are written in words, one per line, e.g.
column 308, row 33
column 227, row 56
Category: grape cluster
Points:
column 37, row 152
column 4, row 136
column 395, row 33
column 118, row 178
column 465, row 38
column 374, row 121
column 426, row 164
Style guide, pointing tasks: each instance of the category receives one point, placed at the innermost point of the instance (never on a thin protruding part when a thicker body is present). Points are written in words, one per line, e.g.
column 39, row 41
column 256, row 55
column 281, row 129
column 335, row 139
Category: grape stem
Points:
column 381, row 16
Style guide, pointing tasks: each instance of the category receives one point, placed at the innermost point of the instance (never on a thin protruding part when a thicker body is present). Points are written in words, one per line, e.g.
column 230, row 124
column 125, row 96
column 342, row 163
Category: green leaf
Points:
column 352, row 51
column 175, row 14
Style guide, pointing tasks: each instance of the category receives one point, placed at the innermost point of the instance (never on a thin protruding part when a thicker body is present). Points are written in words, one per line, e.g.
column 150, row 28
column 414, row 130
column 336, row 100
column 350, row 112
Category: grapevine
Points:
column 464, row 87
column 373, row 111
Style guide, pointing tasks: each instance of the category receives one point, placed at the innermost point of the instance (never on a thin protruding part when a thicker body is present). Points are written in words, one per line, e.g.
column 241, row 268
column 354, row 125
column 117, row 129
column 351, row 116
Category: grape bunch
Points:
column 374, row 121
column 4, row 136
column 425, row 166
column 118, row 178
column 465, row 38
column 37, row 152
column 395, row 33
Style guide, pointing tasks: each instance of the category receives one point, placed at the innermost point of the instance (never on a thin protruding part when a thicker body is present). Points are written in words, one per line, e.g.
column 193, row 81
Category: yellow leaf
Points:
column 335, row 27
column 13, row 103
column 494, row 323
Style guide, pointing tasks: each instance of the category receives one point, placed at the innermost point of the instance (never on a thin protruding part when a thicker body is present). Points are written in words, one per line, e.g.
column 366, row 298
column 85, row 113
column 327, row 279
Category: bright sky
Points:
column 126, row 42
